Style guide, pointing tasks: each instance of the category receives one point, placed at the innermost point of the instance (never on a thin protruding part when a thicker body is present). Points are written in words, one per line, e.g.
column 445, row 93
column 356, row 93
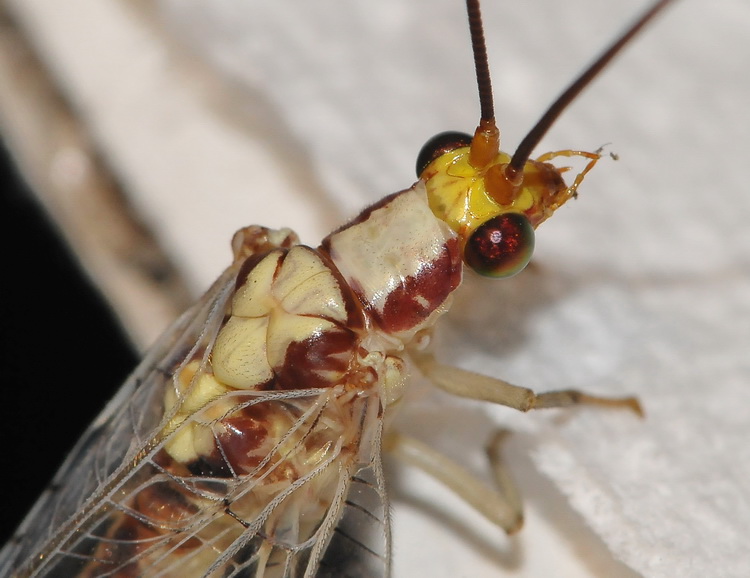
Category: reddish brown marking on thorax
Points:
column 420, row 295
column 399, row 259
column 243, row 439
column 247, row 437
column 308, row 363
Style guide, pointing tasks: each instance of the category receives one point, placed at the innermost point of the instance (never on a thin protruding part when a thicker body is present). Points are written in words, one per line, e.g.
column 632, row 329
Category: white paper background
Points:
column 311, row 109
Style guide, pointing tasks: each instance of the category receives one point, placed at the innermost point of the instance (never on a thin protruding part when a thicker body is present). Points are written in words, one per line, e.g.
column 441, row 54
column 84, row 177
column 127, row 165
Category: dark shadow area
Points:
column 63, row 352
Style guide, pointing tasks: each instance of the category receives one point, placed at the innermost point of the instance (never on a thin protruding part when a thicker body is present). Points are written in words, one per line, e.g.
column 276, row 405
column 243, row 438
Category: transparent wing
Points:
column 289, row 472
column 160, row 519
column 351, row 535
column 360, row 545
column 121, row 430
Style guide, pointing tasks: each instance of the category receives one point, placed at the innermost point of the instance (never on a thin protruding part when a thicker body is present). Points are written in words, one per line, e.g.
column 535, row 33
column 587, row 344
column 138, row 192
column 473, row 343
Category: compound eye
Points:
column 501, row 247
column 439, row 145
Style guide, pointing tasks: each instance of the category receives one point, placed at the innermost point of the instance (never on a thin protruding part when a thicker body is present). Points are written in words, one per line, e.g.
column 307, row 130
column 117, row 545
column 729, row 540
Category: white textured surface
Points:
column 642, row 286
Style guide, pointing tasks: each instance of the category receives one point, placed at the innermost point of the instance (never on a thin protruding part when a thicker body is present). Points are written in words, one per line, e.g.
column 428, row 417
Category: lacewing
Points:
column 248, row 442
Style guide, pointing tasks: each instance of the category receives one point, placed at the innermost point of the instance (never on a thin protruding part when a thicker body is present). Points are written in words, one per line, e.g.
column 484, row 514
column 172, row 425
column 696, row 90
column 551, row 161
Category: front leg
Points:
column 472, row 385
column 501, row 504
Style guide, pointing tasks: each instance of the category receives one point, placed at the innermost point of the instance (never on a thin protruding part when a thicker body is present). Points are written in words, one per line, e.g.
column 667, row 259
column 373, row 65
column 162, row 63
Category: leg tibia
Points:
column 501, row 507
column 475, row 386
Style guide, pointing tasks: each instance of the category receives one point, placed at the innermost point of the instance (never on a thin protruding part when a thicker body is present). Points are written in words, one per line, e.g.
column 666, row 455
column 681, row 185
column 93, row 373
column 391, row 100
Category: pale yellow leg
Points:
column 481, row 387
column 505, row 483
column 501, row 506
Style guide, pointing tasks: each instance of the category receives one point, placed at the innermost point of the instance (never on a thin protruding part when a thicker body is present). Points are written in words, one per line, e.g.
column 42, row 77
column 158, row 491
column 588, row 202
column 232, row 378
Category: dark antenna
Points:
column 486, row 142
column 524, row 150
column 481, row 62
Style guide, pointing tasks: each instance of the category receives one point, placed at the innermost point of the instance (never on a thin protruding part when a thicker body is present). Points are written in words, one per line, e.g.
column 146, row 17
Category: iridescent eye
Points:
column 439, row 145
column 501, row 247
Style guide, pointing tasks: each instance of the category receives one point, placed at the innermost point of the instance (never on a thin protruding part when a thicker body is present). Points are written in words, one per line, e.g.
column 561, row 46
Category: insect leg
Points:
column 472, row 385
column 501, row 506
column 593, row 158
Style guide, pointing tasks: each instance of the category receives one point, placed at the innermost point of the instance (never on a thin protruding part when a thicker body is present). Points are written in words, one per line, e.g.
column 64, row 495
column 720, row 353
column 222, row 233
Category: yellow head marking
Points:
column 465, row 196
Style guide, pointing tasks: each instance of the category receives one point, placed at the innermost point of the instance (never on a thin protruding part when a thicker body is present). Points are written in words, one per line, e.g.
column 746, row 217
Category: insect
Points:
column 248, row 441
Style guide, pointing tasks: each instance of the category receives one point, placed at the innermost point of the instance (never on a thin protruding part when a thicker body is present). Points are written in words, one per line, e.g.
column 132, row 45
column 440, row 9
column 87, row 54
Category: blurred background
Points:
column 147, row 132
